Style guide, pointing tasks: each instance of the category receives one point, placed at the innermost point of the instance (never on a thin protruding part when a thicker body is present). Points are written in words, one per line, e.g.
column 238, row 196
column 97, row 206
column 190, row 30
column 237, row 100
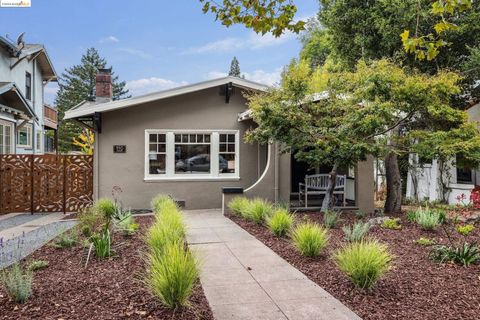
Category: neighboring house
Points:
column 25, row 69
column 188, row 142
column 424, row 178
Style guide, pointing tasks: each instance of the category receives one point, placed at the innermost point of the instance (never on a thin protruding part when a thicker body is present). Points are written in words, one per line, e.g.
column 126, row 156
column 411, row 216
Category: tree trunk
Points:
column 329, row 200
column 393, row 202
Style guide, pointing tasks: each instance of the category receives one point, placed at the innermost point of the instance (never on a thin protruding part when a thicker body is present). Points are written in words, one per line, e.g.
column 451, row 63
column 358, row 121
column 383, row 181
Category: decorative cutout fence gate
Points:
column 45, row 183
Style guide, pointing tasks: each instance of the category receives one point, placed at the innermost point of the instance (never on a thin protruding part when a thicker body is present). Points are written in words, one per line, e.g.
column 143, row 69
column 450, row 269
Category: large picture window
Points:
column 196, row 154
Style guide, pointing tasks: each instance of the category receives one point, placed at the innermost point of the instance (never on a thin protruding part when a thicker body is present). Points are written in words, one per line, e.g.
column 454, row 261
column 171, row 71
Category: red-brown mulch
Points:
column 108, row 289
column 416, row 288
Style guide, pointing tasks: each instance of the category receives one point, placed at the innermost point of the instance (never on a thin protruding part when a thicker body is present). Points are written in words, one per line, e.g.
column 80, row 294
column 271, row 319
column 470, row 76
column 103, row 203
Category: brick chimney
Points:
column 103, row 86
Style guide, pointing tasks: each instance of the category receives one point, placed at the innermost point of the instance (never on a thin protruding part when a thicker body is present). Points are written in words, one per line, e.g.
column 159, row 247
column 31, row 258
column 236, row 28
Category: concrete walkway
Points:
column 244, row 279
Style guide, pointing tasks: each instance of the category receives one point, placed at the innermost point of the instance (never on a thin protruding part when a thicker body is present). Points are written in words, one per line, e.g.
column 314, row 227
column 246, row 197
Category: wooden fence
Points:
column 45, row 183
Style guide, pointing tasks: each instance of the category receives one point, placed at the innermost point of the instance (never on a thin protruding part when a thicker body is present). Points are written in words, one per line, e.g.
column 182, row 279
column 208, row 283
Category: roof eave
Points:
column 120, row 104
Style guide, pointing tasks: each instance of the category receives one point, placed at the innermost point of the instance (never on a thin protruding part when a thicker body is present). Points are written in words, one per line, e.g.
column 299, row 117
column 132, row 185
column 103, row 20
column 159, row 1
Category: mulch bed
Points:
column 106, row 289
column 416, row 288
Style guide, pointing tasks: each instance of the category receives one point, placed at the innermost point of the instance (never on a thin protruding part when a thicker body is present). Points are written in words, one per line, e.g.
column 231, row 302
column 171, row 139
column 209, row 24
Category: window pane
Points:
column 157, row 163
column 231, row 148
column 207, row 138
column 223, row 138
column 226, row 163
column 153, row 147
column 193, row 138
column 231, row 138
column 178, row 138
column 153, row 137
column 185, row 138
column 161, row 148
column 22, row 137
column 161, row 138
column 192, row 158
column 223, row 147
column 200, row 138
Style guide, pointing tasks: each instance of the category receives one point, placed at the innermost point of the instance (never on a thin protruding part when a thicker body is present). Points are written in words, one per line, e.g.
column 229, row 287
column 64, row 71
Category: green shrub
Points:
column 280, row 222
column 465, row 229
column 330, row 219
column 258, row 210
column 162, row 203
column 357, row 232
column 427, row 219
column 361, row 214
column 102, row 243
column 391, row 224
column 364, row 262
column 37, row 265
column 161, row 235
column 412, row 215
column 89, row 220
column 425, row 241
column 124, row 222
column 17, row 284
column 309, row 239
column 465, row 254
column 105, row 207
column 239, row 205
column 66, row 239
column 172, row 276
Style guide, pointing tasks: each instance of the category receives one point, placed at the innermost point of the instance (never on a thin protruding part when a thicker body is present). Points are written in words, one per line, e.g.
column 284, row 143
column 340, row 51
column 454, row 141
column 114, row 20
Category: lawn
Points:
column 414, row 288
column 109, row 288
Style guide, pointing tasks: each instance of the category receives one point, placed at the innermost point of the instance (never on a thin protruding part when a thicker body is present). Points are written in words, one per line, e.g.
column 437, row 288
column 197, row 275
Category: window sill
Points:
column 186, row 179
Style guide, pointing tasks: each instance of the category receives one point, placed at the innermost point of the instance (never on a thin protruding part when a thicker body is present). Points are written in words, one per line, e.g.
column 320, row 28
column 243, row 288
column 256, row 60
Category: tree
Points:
column 428, row 46
column 377, row 109
column 275, row 16
column 235, row 68
column 330, row 131
column 77, row 84
column 85, row 141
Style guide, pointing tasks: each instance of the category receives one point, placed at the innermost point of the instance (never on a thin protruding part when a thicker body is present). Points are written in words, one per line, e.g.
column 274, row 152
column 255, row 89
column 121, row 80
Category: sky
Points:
column 152, row 45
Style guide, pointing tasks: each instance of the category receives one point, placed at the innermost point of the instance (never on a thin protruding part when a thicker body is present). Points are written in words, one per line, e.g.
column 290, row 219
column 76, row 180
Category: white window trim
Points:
column 170, row 175
column 30, row 137
column 12, row 135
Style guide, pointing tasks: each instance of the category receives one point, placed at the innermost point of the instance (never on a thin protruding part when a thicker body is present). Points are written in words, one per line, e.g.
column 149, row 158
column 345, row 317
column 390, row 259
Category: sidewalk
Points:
column 244, row 279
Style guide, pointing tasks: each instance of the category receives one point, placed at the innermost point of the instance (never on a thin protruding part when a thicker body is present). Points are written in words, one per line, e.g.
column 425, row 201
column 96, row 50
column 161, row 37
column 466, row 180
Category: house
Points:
column 25, row 69
column 188, row 142
column 424, row 178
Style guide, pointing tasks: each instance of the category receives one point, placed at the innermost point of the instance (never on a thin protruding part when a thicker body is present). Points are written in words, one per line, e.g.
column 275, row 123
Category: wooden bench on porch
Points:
column 317, row 184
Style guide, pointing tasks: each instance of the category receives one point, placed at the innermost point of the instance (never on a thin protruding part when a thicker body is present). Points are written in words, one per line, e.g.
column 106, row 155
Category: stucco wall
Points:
column 201, row 110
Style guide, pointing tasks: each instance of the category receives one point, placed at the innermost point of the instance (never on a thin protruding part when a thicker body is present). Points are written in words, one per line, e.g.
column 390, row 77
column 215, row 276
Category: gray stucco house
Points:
column 25, row 70
column 188, row 142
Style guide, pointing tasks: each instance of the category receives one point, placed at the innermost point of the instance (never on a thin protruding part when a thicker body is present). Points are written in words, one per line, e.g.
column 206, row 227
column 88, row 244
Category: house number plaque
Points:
column 119, row 148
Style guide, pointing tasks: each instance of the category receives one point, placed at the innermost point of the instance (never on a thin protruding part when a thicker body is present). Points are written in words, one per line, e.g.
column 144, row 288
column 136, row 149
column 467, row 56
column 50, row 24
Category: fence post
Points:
column 64, row 157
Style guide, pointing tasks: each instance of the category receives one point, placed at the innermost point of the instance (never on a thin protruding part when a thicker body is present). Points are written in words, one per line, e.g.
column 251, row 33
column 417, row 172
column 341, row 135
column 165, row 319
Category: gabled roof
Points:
column 32, row 51
column 89, row 108
column 15, row 99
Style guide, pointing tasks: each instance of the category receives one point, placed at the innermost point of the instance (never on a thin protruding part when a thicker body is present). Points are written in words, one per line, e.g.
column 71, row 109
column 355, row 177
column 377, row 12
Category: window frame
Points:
column 11, row 125
column 170, row 174
column 28, row 85
column 29, row 144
